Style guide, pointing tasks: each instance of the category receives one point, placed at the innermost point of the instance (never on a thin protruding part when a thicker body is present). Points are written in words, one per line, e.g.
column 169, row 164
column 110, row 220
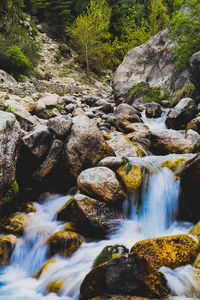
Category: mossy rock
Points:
column 45, row 267
column 54, row 286
column 124, row 298
column 131, row 176
column 64, row 243
column 12, row 193
column 172, row 252
column 108, row 253
column 14, row 224
column 173, row 164
column 69, row 227
column 7, row 245
column 195, row 230
column 27, row 208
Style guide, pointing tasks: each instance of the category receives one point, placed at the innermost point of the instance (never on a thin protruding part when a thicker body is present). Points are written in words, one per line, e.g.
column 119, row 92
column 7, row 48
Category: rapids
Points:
column 146, row 216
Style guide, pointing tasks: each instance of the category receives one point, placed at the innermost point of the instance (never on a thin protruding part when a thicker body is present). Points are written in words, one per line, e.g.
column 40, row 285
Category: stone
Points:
column 153, row 110
column 60, row 125
column 69, row 108
column 126, row 114
column 136, row 127
column 194, row 69
column 195, row 231
column 85, row 146
column 161, row 142
column 38, row 140
column 49, row 100
column 101, row 183
column 45, row 268
column 173, row 164
column 131, row 175
column 64, row 243
column 168, row 251
column 194, row 138
column 91, row 217
column 7, row 244
column 9, row 139
column 125, row 275
column 194, row 124
column 112, row 162
column 181, row 114
column 7, row 79
column 153, row 62
column 107, row 297
column 14, row 224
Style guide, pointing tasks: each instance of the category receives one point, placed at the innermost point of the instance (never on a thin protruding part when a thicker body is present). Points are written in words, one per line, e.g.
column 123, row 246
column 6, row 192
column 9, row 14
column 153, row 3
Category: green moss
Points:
column 108, row 253
column 10, row 110
column 173, row 164
column 12, row 192
column 187, row 91
column 73, row 190
column 149, row 94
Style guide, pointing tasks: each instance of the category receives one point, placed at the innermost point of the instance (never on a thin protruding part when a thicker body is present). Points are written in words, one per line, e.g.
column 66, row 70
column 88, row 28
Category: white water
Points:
column 156, row 217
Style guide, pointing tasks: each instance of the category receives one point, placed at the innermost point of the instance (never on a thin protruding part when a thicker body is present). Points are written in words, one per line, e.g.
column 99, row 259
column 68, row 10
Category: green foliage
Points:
column 16, row 60
column 12, row 192
column 185, row 29
column 108, row 253
column 9, row 109
column 188, row 91
column 148, row 94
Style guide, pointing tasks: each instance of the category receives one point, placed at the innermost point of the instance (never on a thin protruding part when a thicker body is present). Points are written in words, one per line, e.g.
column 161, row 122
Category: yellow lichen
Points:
column 131, row 176
column 173, row 164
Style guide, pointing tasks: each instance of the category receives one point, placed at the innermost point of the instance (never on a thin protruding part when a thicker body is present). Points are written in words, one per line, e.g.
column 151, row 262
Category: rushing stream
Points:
column 156, row 216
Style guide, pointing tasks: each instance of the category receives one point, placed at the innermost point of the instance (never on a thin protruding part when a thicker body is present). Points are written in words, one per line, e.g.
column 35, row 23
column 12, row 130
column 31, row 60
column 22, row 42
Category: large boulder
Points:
column 9, row 139
column 131, row 175
column 60, row 125
column 7, row 79
column 152, row 62
column 14, row 224
column 153, row 110
column 125, row 275
column 169, row 251
column 85, row 146
column 181, row 114
column 194, row 124
column 194, row 69
column 101, row 183
column 91, row 217
column 7, row 244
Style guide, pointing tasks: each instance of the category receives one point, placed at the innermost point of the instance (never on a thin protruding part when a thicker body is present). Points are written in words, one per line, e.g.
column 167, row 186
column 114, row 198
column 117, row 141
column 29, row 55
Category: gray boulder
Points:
column 194, row 69
column 60, row 125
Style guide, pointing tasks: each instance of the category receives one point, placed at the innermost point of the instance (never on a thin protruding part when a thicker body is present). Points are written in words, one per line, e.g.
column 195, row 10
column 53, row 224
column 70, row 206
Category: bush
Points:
column 16, row 60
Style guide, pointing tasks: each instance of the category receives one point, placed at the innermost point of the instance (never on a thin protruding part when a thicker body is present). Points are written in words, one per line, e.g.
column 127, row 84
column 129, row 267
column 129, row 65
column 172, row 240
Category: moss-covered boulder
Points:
column 64, row 243
column 45, row 267
column 101, row 183
column 54, row 286
column 107, row 297
column 169, row 251
column 129, row 274
column 108, row 253
column 7, row 244
column 173, row 164
column 194, row 124
column 15, row 224
column 131, row 176
column 27, row 208
column 11, row 193
column 195, row 230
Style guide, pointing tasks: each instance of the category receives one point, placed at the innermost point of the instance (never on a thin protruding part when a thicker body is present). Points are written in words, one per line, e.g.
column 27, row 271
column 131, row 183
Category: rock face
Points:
column 124, row 275
column 85, row 146
column 101, row 183
column 189, row 196
column 181, row 114
column 91, row 217
column 152, row 62
column 171, row 252
column 9, row 138
column 6, row 248
column 194, row 69
column 131, row 175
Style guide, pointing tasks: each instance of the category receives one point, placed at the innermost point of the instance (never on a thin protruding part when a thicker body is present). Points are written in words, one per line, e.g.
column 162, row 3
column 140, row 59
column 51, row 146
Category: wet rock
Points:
column 194, row 138
column 173, row 164
column 195, row 230
column 85, row 146
column 112, row 162
column 169, row 251
column 38, row 141
column 64, row 243
column 165, row 103
column 161, row 142
column 9, row 139
column 14, row 224
column 45, row 268
column 101, row 183
column 153, row 110
column 91, row 217
column 125, row 275
column 189, row 196
column 122, row 146
column 54, row 286
column 194, row 124
column 126, row 114
column 60, row 125
column 131, row 176
column 107, row 297
column 181, row 114
column 7, row 244
column 194, row 69
column 27, row 208
column 136, row 127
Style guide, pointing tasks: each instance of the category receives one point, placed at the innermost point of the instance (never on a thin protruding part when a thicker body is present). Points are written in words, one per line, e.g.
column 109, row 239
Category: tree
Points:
column 90, row 33
column 158, row 18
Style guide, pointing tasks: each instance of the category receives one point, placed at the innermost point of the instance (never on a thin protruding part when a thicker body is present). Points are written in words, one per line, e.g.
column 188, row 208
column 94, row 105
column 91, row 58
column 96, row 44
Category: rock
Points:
column 195, row 230
column 27, row 208
column 194, row 69
column 50, row 100
column 122, row 146
column 153, row 110
column 7, row 244
column 194, row 138
column 69, row 108
column 91, row 217
column 60, row 125
column 181, row 114
column 64, row 243
column 101, row 183
column 189, row 192
column 54, row 286
column 125, row 275
column 161, row 142
column 107, row 297
column 169, row 251
column 194, row 124
column 136, row 127
column 108, row 253
column 165, row 103
column 45, row 268
column 50, row 161
column 9, row 139
column 38, row 141
column 7, row 79
column 173, row 164
column 152, row 62
column 85, row 146
column 124, row 115
column 131, row 176
column 112, row 162
column 14, row 224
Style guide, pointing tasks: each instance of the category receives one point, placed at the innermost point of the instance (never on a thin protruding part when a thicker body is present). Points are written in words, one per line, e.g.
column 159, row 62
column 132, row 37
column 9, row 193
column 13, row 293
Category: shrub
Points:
column 16, row 60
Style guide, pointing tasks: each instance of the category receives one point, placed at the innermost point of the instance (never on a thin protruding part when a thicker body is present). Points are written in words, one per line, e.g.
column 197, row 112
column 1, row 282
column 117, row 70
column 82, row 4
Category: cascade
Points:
column 154, row 216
